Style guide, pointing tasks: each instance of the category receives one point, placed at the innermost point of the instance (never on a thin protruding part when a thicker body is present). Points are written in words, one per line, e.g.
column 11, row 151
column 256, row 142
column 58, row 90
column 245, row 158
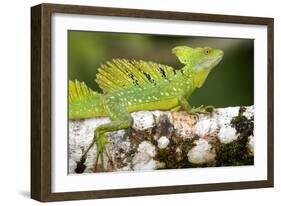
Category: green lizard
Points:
column 130, row 85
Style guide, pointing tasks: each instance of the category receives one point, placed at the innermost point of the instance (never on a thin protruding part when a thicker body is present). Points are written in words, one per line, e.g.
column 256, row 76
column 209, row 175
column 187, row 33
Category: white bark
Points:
column 190, row 140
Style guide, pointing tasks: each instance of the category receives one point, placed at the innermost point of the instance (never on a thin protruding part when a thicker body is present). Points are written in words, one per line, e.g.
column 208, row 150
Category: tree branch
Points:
column 163, row 140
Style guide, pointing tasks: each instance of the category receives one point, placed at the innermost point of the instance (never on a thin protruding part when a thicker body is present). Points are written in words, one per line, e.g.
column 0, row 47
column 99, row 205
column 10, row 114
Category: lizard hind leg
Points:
column 121, row 119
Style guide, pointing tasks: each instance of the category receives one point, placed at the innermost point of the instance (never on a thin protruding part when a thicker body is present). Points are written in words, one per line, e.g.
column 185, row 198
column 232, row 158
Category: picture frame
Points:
column 43, row 88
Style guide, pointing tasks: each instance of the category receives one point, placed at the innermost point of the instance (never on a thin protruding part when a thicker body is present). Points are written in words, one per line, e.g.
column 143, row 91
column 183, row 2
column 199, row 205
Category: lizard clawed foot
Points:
column 80, row 166
column 101, row 150
column 202, row 110
column 101, row 142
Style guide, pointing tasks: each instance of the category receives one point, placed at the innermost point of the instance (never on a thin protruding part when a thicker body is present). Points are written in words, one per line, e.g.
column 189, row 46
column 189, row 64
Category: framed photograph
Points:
column 132, row 102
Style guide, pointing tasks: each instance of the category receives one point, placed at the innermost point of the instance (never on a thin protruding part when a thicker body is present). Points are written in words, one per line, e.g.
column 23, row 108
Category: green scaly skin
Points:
column 169, row 93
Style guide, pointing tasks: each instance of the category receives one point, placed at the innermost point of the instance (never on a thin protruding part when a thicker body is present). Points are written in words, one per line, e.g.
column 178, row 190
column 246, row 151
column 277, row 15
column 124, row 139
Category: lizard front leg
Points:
column 192, row 110
column 184, row 104
column 121, row 119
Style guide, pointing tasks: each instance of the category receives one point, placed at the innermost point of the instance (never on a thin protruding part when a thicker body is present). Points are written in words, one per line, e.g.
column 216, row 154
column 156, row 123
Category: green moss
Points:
column 242, row 124
column 233, row 154
column 167, row 156
column 175, row 155
column 236, row 153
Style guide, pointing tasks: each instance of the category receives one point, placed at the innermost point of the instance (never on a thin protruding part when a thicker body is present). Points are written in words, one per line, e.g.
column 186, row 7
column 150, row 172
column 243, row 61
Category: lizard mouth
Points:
column 209, row 64
column 217, row 60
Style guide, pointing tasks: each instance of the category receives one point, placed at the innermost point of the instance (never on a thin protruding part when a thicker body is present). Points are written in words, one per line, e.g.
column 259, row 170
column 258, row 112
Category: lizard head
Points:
column 201, row 60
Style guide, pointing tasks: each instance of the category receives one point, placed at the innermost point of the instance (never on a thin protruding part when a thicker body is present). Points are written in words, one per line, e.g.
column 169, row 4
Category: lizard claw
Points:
column 202, row 109
column 80, row 166
column 100, row 141
column 101, row 149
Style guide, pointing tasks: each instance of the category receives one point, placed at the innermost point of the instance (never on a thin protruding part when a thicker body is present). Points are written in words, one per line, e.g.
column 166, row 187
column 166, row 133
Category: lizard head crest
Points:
column 201, row 60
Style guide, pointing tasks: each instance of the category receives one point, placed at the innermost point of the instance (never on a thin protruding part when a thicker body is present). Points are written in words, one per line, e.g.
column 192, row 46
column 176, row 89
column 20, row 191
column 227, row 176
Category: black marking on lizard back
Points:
column 134, row 79
column 149, row 78
column 132, row 73
column 162, row 71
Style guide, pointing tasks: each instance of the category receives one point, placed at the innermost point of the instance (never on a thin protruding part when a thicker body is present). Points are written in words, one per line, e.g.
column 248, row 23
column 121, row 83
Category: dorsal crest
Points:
column 122, row 73
column 79, row 91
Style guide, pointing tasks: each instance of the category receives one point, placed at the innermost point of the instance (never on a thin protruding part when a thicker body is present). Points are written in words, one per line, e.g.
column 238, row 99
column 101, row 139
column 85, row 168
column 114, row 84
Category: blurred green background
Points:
column 229, row 84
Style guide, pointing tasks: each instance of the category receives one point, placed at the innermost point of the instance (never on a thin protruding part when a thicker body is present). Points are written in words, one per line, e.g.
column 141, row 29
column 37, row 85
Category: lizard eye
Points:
column 207, row 51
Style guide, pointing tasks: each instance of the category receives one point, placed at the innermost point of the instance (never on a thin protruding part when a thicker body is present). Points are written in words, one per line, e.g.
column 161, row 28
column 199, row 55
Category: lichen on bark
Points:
column 171, row 140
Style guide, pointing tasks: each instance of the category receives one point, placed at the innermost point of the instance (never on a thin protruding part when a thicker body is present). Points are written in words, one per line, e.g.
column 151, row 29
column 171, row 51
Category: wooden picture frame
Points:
column 41, row 98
